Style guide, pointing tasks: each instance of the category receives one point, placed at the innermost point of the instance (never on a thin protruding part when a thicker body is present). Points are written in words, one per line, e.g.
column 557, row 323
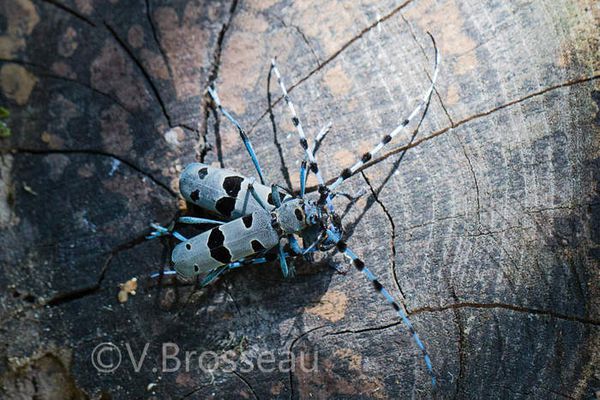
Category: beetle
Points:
column 262, row 219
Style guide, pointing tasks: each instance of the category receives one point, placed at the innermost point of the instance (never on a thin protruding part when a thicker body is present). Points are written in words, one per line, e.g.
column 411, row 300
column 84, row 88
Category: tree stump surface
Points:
column 485, row 226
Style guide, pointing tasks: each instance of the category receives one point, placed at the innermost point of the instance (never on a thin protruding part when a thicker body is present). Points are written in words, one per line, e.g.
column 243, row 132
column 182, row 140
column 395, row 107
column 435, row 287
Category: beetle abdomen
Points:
column 225, row 243
column 222, row 191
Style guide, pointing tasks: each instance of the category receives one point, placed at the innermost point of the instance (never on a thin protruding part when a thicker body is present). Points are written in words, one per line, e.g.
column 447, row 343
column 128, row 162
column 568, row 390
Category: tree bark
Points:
column 485, row 224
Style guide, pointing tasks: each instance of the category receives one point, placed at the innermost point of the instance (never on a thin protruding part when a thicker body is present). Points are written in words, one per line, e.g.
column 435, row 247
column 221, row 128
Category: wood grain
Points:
column 485, row 226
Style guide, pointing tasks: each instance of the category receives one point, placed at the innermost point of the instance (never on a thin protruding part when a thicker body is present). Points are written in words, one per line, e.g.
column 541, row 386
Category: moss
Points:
column 4, row 129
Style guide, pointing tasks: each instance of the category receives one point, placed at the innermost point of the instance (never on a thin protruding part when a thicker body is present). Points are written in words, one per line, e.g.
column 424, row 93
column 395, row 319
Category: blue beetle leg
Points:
column 256, row 196
column 288, row 271
column 213, row 275
column 198, row 221
column 167, row 272
column 302, row 178
column 275, row 195
column 295, row 246
column 243, row 135
column 217, row 272
column 162, row 231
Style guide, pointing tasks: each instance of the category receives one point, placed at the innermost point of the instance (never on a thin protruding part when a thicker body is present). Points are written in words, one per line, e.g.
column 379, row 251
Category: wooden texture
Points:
column 486, row 227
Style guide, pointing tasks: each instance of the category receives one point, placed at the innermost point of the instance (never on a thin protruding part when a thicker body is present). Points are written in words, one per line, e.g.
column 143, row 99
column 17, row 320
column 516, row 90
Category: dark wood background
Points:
column 486, row 228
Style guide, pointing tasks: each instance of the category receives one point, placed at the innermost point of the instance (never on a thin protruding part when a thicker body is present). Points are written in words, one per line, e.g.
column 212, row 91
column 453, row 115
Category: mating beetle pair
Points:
column 262, row 218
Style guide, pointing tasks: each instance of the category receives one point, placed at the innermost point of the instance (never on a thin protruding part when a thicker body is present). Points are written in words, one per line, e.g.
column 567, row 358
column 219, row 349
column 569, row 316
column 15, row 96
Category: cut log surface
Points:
column 485, row 226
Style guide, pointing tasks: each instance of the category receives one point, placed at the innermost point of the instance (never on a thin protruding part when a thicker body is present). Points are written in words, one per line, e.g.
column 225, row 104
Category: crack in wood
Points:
column 363, row 330
column 94, row 152
column 70, row 11
column 156, row 39
column 206, row 101
column 77, row 294
column 435, row 90
column 392, row 239
column 300, row 32
column 291, row 348
column 43, row 71
column 241, row 377
column 511, row 307
column 471, row 118
column 461, row 335
column 334, row 56
column 142, row 69
column 474, row 176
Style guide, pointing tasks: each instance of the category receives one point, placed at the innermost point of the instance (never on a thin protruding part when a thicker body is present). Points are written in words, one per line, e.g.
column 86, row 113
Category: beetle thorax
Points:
column 294, row 215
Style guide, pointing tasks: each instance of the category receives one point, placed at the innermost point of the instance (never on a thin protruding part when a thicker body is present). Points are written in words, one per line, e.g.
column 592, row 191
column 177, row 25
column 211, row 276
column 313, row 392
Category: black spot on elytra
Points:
column 299, row 214
column 225, row 206
column 247, row 220
column 257, row 246
column 195, row 195
column 202, row 172
column 232, row 185
column 216, row 238
column 221, row 254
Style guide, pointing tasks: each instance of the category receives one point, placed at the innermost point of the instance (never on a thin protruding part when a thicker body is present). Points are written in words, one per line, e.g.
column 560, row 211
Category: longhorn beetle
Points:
column 263, row 217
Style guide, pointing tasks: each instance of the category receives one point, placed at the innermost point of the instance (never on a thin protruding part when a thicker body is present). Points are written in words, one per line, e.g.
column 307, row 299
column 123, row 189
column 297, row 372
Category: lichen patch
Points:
column 354, row 360
column 53, row 141
column 85, row 6
column 135, row 36
column 112, row 72
column 16, row 83
column 63, row 69
column 186, row 61
column 175, row 136
column 344, row 158
column 7, row 199
column 452, row 38
column 116, row 134
column 337, row 81
column 20, row 17
column 332, row 306
column 68, row 43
